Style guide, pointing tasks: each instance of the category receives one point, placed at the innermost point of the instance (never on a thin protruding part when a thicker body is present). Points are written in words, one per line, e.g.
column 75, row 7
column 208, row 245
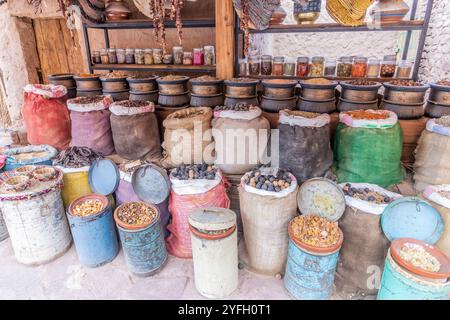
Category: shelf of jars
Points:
column 372, row 79
column 335, row 27
column 155, row 67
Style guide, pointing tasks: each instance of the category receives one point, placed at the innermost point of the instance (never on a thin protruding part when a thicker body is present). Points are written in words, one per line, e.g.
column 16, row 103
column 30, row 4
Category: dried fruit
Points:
column 270, row 182
column 88, row 207
column 315, row 231
column 136, row 213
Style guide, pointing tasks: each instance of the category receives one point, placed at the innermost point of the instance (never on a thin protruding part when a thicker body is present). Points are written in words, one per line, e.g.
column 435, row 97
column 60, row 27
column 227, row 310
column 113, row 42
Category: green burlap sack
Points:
column 368, row 155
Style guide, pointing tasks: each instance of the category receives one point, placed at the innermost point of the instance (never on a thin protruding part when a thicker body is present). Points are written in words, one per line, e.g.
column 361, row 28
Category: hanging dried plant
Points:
column 245, row 25
column 175, row 14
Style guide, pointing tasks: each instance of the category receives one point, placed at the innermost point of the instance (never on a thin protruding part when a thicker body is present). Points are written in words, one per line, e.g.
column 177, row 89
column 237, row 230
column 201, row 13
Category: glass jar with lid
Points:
column 177, row 53
column 404, row 69
column 254, row 65
column 359, row 67
column 243, row 67
column 96, row 57
column 373, row 67
column 302, row 67
column 120, row 53
column 168, row 59
column 129, row 56
column 330, row 68
column 289, row 67
column 157, row 56
column 104, row 56
column 317, row 66
column 112, row 56
column 210, row 56
column 199, row 57
column 148, row 56
column 187, row 58
column 388, row 66
column 266, row 65
column 139, row 57
column 344, row 67
column 278, row 66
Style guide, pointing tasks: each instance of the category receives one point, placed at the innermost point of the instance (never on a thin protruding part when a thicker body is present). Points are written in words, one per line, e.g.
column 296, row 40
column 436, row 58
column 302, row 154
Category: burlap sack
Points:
column 188, row 137
column 233, row 157
column 432, row 166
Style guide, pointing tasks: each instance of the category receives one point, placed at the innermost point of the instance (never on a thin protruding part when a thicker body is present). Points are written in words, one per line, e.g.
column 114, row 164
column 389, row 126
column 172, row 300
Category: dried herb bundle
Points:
column 244, row 24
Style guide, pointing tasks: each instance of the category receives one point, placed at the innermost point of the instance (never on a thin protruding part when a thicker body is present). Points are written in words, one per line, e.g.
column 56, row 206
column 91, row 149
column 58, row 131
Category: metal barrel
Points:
column 95, row 236
column 144, row 249
column 398, row 284
column 309, row 276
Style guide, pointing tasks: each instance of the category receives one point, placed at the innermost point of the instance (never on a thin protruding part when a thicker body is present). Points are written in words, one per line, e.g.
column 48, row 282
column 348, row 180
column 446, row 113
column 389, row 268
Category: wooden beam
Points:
column 224, row 39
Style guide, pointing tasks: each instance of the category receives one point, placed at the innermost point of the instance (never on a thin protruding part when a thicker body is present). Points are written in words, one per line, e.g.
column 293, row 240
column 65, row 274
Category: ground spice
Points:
column 318, row 81
column 88, row 208
column 205, row 78
column 315, row 231
column 172, row 78
column 367, row 115
column 114, row 75
column 136, row 213
column 243, row 80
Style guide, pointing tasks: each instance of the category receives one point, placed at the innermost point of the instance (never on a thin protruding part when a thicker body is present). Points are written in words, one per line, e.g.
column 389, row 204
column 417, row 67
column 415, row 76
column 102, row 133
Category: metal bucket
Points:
column 398, row 284
column 36, row 223
column 14, row 160
column 95, row 236
column 144, row 249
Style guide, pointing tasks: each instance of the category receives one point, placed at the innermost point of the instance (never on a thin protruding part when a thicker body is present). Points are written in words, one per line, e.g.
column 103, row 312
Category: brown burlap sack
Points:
column 362, row 254
column 188, row 137
column 136, row 136
column 432, row 166
column 233, row 157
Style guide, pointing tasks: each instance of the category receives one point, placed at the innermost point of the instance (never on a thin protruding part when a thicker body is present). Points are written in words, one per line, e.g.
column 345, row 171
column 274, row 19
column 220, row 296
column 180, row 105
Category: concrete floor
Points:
column 65, row 278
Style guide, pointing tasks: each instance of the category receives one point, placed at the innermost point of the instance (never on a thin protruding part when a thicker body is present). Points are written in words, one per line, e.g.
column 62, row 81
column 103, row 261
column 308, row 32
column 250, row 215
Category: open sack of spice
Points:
column 135, row 130
column 269, row 181
column 241, row 135
column 192, row 187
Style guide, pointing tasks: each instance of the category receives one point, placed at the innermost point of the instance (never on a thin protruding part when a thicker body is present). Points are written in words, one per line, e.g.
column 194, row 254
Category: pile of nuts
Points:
column 443, row 121
column 367, row 115
column 361, row 82
column 315, row 231
column 88, row 207
column 236, row 107
column 195, row 171
column 443, row 83
column 243, row 80
column 405, row 83
column 272, row 183
column 136, row 213
column 366, row 194
column 419, row 257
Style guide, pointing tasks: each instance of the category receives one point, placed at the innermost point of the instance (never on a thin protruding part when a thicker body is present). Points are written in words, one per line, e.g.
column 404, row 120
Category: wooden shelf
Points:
column 148, row 24
column 335, row 27
column 329, row 78
column 155, row 67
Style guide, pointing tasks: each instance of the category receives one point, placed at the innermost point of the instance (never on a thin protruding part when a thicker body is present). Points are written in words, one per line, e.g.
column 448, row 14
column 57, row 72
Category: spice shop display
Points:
column 91, row 124
column 238, row 157
column 193, row 187
column 190, row 151
column 305, row 143
column 433, row 155
column 268, row 201
column 135, row 130
column 405, row 98
column 45, row 115
column 368, row 147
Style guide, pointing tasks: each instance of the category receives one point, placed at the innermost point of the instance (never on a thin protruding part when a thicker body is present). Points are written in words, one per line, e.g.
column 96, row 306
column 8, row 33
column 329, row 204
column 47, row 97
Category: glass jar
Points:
column 266, row 65
column 289, row 67
column 404, row 69
column 278, row 66
column 104, row 56
column 96, row 57
column 254, row 65
column 112, row 56
column 373, row 68
column 359, row 68
column 129, row 56
column 330, row 68
column 168, row 59
column 157, row 56
column 120, row 53
column 302, row 67
column 317, row 67
column 187, row 58
column 148, row 56
column 388, row 65
column 243, row 67
column 139, row 57
column 344, row 67
column 177, row 53
column 199, row 57
column 210, row 56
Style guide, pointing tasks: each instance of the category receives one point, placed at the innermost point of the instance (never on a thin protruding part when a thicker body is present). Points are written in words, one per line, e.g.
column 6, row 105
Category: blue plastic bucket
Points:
column 309, row 276
column 398, row 284
column 95, row 236
column 144, row 249
column 13, row 162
